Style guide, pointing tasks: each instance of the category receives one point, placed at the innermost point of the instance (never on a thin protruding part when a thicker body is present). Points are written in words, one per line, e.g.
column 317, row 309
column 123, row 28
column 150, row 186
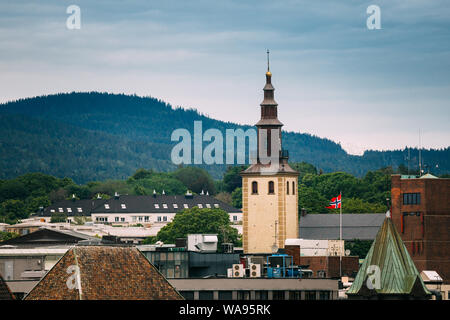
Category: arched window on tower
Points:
column 287, row 187
column 293, row 187
column 254, row 187
column 271, row 187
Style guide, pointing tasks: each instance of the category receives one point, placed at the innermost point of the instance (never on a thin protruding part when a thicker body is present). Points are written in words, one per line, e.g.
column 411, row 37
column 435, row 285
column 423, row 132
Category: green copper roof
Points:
column 397, row 273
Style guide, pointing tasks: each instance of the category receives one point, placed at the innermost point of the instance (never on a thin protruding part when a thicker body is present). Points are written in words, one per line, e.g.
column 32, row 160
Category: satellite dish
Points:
column 347, row 252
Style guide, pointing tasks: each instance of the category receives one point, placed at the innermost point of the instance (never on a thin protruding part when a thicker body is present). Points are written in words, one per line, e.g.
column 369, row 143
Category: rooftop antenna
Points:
column 268, row 66
column 420, row 153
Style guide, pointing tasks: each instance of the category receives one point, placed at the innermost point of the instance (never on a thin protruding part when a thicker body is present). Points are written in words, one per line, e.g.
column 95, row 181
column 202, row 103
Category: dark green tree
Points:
column 195, row 220
column 236, row 197
column 195, row 179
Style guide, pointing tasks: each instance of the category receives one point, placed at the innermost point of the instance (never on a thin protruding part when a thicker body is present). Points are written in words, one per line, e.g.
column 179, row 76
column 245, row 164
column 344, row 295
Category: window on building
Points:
column 133, row 218
column 52, row 210
column 200, row 206
column 165, row 218
column 123, row 206
column 106, row 206
column 146, row 218
column 175, row 206
column 243, row 295
column 69, row 209
column 216, row 205
column 159, row 219
column 293, row 187
column 310, row 295
column 287, row 187
column 165, row 205
column 206, row 295
column 188, row 295
column 324, row 295
column 225, row 295
column 185, row 206
column 156, row 206
column 271, row 187
column 208, row 205
column 261, row 295
column 411, row 198
column 234, row 218
column 60, row 209
column 79, row 209
column 254, row 187
column 122, row 219
column 295, row 295
column 140, row 218
column 278, row 294
column 116, row 219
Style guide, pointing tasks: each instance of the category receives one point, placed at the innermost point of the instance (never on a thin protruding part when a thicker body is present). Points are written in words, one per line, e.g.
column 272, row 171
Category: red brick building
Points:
column 325, row 266
column 421, row 214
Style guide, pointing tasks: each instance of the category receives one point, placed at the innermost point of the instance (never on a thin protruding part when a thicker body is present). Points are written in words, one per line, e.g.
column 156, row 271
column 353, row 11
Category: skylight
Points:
column 106, row 206
column 123, row 206
column 156, row 206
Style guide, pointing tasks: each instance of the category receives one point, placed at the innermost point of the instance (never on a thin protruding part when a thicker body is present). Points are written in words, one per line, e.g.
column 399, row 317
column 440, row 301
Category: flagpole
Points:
column 340, row 237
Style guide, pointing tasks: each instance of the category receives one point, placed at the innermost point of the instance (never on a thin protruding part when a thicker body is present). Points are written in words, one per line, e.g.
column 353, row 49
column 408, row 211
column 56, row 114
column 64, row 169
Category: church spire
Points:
column 269, row 105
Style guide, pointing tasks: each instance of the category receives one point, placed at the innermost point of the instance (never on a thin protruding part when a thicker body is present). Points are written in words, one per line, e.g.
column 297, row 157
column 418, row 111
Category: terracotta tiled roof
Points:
column 105, row 273
column 5, row 293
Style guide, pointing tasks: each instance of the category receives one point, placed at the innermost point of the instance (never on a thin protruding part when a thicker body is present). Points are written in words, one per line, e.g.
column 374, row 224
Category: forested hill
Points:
column 97, row 136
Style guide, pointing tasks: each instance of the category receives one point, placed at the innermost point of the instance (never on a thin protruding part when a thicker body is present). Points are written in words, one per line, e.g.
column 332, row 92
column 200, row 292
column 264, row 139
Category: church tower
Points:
column 269, row 186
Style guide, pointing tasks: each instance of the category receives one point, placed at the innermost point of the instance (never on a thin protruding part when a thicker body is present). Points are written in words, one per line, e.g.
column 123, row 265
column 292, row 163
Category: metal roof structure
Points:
column 362, row 226
column 45, row 236
column 137, row 204
column 388, row 270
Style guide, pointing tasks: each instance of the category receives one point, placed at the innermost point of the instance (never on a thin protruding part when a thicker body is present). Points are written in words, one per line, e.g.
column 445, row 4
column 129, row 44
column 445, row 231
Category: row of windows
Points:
column 69, row 210
column 271, row 187
column 258, row 295
column 186, row 206
column 411, row 198
column 134, row 219
column 123, row 206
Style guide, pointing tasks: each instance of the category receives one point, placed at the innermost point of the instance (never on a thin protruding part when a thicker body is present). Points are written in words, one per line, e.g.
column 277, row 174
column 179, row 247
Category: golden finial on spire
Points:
column 268, row 65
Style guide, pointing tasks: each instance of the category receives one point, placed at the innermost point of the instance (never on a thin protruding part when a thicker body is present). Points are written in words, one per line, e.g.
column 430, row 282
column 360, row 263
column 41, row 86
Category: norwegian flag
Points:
column 335, row 203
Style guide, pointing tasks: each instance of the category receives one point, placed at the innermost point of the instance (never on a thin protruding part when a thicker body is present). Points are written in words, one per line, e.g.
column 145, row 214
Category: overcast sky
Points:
column 367, row 89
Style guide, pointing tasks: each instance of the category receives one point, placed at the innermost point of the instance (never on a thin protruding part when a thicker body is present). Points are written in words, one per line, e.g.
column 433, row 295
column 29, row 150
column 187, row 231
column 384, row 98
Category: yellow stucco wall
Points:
column 261, row 210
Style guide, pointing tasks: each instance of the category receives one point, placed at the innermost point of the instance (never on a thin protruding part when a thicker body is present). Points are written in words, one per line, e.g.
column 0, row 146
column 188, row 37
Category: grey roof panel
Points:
column 363, row 226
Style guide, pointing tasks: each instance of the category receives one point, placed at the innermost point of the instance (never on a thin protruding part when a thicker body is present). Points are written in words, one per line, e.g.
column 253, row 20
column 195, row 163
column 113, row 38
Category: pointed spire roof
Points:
column 104, row 273
column 397, row 273
column 269, row 105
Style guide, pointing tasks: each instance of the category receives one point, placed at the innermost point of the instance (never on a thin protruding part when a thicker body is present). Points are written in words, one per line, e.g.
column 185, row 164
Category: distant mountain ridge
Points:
column 96, row 136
